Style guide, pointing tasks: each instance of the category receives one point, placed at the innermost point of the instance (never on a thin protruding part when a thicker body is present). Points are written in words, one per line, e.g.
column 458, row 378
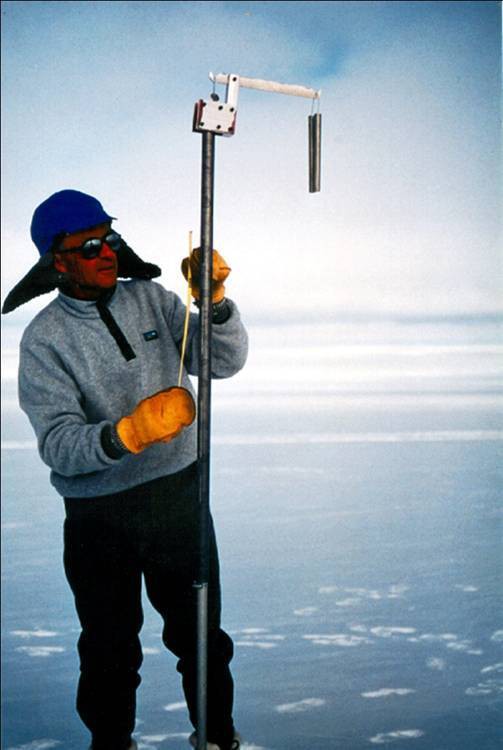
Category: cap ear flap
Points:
column 40, row 279
column 43, row 277
column 131, row 266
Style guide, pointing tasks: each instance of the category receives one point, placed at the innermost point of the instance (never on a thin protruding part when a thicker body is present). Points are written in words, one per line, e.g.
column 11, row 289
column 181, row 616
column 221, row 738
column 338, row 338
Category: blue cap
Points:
column 64, row 213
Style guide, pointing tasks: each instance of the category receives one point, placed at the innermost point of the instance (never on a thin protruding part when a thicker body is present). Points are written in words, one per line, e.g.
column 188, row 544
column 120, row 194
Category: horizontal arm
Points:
column 273, row 86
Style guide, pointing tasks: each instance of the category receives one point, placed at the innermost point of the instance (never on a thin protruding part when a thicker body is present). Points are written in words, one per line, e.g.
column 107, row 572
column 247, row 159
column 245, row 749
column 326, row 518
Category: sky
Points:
column 98, row 96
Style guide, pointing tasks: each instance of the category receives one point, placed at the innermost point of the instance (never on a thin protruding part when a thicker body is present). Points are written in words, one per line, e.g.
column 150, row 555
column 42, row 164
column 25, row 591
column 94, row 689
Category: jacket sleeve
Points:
column 229, row 341
column 53, row 403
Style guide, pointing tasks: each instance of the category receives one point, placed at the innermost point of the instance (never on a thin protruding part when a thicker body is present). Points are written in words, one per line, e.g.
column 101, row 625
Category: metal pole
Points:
column 204, row 427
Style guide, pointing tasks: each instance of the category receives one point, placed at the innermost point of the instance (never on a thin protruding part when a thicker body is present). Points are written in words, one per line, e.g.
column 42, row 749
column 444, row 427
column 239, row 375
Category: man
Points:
column 97, row 379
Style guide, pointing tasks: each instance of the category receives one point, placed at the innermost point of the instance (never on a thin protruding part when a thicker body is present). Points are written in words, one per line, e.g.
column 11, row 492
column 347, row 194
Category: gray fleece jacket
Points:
column 74, row 379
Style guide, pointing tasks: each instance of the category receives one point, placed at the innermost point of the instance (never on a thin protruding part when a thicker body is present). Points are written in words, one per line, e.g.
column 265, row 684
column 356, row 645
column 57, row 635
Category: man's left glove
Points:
column 220, row 272
column 157, row 419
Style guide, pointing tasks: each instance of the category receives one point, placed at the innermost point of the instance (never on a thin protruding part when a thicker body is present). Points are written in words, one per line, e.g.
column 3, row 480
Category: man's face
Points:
column 87, row 278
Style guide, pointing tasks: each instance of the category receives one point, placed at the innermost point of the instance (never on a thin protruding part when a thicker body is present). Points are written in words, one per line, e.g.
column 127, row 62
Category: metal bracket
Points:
column 216, row 116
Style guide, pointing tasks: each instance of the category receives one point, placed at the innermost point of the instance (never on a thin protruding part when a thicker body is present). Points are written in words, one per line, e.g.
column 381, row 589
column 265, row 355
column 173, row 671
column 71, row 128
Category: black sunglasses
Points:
column 92, row 248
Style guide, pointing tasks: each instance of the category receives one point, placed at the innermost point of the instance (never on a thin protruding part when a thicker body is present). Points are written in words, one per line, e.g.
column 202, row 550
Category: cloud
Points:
column 435, row 663
column 155, row 738
column 305, row 611
column 37, row 633
column 488, row 687
column 40, row 651
column 391, row 631
column 358, row 628
column 327, row 589
column 147, row 741
column 300, row 706
column 433, row 638
column 386, row 692
column 253, row 631
column 257, row 638
column 492, row 668
column 398, row 734
column 180, row 706
column 497, row 636
column 395, row 591
column 336, row 639
column 42, row 744
column 466, row 646
column 450, row 640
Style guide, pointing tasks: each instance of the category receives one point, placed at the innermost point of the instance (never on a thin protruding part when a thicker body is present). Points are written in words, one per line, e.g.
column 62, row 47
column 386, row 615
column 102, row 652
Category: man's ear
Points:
column 59, row 263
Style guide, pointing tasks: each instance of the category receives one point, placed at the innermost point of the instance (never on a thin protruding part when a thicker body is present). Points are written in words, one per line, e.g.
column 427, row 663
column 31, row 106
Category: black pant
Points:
column 110, row 541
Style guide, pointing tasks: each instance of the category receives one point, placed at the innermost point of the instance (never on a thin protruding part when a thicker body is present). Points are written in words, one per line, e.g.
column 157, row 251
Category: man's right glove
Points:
column 158, row 418
column 220, row 272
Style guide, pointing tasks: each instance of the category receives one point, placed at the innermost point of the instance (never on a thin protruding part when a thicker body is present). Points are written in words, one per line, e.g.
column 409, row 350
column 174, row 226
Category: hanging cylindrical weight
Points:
column 314, row 127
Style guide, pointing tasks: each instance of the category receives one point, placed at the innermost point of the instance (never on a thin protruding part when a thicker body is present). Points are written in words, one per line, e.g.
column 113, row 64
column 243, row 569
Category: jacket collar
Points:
column 84, row 308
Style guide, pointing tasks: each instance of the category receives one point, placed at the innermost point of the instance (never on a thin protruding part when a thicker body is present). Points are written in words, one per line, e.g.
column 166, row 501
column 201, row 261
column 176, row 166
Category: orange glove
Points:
column 158, row 418
column 220, row 272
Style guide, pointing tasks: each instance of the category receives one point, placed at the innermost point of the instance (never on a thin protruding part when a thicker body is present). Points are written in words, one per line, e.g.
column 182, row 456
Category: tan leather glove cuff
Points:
column 127, row 435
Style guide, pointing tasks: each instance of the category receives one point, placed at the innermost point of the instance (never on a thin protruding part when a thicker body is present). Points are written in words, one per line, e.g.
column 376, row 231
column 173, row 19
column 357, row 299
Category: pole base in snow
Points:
column 202, row 663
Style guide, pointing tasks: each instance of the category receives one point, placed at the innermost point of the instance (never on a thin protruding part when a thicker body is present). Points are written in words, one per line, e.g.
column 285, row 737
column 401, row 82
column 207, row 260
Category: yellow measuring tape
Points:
column 187, row 313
